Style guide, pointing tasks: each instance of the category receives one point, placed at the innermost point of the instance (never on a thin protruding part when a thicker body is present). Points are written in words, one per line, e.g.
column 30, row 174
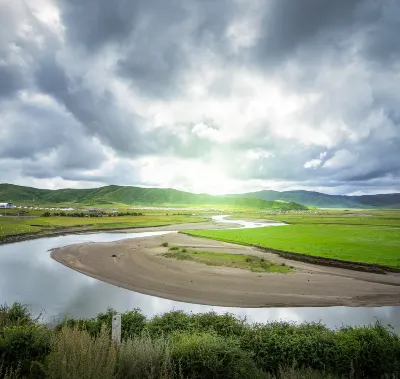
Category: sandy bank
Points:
column 135, row 264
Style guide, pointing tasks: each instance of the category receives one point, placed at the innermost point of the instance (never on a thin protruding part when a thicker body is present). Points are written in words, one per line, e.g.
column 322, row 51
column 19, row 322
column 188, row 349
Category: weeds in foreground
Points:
column 144, row 357
column 9, row 373
column 76, row 355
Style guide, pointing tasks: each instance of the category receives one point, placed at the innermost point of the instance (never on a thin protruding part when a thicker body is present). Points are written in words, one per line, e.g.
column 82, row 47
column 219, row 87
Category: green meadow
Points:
column 371, row 239
column 246, row 262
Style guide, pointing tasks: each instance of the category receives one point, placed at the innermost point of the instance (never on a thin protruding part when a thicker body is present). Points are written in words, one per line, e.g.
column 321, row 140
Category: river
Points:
column 29, row 275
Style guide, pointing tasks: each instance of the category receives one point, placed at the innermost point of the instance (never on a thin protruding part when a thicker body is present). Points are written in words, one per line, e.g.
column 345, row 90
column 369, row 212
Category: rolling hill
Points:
column 322, row 200
column 132, row 196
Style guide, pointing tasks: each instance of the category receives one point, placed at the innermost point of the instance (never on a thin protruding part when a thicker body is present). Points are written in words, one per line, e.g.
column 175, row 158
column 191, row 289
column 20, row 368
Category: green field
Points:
column 247, row 262
column 10, row 226
column 369, row 239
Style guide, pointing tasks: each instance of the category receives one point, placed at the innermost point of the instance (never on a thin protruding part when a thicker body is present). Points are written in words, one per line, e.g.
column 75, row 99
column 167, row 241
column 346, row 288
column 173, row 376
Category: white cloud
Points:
column 314, row 163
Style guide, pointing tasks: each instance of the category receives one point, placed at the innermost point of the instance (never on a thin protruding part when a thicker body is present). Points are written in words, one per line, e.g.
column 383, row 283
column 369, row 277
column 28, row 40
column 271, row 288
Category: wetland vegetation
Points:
column 246, row 262
column 181, row 345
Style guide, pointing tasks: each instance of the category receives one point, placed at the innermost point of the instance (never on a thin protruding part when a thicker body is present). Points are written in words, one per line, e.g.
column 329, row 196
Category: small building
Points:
column 7, row 205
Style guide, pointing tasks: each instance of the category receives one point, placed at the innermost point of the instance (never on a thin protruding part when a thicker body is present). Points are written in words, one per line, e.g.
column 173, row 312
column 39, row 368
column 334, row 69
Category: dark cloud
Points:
column 79, row 95
column 288, row 25
column 10, row 80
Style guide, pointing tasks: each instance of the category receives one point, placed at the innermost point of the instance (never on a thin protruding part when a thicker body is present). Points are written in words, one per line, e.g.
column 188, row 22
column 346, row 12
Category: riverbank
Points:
column 17, row 229
column 136, row 264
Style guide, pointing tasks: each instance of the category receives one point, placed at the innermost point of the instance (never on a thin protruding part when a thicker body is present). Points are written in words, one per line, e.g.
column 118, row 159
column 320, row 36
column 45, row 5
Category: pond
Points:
column 29, row 275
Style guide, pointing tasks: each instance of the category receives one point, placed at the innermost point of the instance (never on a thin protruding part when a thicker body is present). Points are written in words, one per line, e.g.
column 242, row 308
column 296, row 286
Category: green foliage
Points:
column 181, row 345
column 173, row 248
column 17, row 314
column 77, row 355
column 164, row 244
column 21, row 345
column 367, row 352
column 207, row 356
column 169, row 322
column 144, row 357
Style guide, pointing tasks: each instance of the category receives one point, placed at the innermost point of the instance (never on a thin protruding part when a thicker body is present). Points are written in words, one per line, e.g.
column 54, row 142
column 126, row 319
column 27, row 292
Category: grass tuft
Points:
column 247, row 262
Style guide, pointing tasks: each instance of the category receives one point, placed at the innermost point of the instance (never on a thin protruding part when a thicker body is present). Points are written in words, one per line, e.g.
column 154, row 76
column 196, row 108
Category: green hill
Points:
column 133, row 196
column 322, row 200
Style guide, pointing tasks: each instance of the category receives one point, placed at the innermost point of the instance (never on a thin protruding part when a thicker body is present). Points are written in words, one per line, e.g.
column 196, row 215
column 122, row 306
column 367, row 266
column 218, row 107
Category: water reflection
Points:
column 29, row 275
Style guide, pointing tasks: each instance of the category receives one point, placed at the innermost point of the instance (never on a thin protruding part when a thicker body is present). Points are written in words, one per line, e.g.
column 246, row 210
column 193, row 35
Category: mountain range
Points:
column 267, row 199
column 132, row 196
column 322, row 200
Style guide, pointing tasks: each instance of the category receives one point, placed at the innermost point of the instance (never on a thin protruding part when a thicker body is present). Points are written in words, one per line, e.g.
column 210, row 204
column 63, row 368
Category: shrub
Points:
column 226, row 325
column 46, row 214
column 168, row 323
column 17, row 314
column 369, row 352
column 164, row 244
column 23, row 345
column 208, row 356
column 174, row 248
column 143, row 357
column 77, row 355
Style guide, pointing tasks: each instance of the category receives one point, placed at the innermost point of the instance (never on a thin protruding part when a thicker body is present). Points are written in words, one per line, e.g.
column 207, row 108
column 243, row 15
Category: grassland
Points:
column 14, row 226
column 246, row 262
column 372, row 238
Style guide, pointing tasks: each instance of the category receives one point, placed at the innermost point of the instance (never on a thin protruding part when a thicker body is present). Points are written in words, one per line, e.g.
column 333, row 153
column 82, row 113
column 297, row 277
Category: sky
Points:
column 215, row 96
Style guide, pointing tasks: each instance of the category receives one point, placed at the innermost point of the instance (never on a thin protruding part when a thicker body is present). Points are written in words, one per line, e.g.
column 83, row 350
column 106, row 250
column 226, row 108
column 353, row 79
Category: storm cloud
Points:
column 206, row 96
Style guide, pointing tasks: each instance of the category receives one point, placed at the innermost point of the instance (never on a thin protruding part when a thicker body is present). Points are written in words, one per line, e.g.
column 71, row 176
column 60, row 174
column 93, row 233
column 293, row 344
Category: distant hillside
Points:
column 132, row 196
column 322, row 200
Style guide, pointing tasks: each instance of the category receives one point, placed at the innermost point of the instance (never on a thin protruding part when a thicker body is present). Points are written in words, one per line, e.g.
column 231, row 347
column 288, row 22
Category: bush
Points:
column 168, row 323
column 164, row 244
column 208, row 356
column 143, row 357
column 174, row 248
column 369, row 352
column 17, row 314
column 226, row 325
column 23, row 345
column 77, row 355
column 46, row 214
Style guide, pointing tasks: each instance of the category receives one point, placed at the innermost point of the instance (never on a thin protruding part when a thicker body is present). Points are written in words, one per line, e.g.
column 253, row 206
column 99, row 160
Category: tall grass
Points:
column 77, row 355
column 144, row 357
column 9, row 373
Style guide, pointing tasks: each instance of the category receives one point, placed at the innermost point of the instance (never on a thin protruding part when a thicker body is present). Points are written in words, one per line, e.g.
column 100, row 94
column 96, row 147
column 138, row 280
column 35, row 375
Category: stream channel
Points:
column 29, row 275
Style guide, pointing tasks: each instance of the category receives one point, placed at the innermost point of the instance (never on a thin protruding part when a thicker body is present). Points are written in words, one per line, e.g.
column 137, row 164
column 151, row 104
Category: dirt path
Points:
column 135, row 264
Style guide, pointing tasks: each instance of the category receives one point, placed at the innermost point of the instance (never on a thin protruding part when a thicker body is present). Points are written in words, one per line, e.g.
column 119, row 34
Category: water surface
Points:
column 30, row 276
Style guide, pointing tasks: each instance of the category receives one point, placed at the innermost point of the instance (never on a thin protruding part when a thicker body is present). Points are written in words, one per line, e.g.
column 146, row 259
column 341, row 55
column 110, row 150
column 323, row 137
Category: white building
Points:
column 7, row 205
